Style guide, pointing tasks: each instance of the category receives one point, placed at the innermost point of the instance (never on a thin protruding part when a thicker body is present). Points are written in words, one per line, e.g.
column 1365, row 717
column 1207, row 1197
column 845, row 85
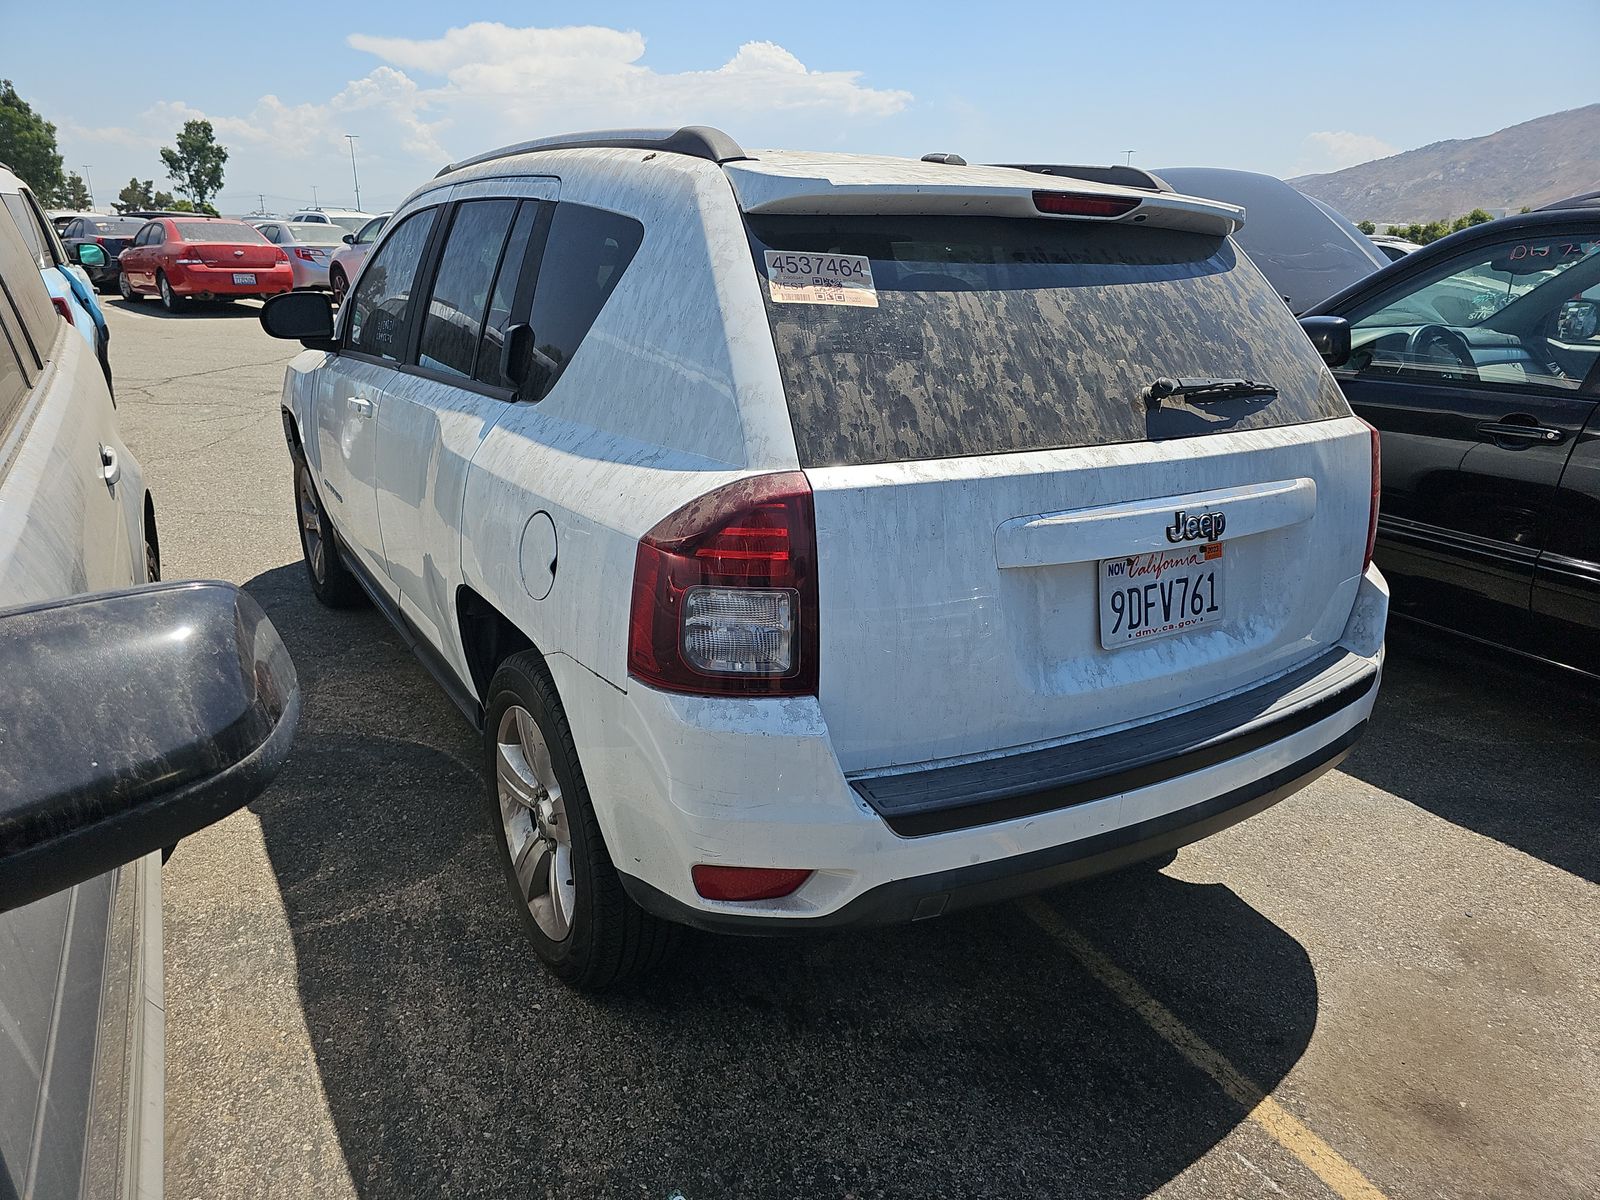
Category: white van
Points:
column 823, row 538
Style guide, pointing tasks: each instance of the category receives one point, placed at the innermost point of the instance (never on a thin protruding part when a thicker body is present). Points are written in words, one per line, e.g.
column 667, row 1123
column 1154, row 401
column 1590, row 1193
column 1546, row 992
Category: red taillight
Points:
column 1075, row 204
column 725, row 593
column 746, row 883
column 1377, row 488
column 281, row 259
column 63, row 308
column 187, row 256
column 307, row 253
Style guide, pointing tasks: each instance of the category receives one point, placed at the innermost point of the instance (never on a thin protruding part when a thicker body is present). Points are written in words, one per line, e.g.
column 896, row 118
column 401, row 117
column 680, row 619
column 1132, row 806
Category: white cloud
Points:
column 1335, row 150
column 482, row 85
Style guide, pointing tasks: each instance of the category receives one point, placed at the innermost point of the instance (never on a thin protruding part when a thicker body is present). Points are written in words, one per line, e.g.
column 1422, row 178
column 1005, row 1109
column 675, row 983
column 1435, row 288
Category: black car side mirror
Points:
column 129, row 720
column 1331, row 337
column 522, row 362
column 306, row 317
column 349, row 239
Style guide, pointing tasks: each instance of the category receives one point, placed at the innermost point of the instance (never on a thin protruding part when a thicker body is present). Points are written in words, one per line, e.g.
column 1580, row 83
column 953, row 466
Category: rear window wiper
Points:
column 1203, row 390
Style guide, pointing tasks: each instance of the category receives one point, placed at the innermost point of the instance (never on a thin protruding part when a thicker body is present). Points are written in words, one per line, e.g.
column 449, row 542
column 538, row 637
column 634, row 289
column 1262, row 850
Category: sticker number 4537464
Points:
column 821, row 279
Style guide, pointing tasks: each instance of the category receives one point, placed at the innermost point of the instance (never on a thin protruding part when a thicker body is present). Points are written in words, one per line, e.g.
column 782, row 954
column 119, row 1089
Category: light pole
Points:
column 314, row 203
column 351, row 138
column 1129, row 161
column 88, row 183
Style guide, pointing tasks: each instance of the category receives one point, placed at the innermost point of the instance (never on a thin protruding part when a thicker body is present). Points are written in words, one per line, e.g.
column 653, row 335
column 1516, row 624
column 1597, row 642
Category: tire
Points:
column 338, row 284
column 125, row 289
column 170, row 300
column 106, row 289
column 580, row 920
column 331, row 581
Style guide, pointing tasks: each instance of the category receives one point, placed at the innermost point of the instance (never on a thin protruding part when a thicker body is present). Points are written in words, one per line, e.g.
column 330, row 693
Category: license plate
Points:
column 244, row 277
column 1146, row 596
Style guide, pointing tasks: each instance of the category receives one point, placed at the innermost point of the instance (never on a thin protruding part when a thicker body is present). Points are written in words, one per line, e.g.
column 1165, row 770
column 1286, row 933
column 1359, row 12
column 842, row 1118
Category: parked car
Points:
column 819, row 539
column 310, row 248
column 131, row 717
column 202, row 258
column 60, row 218
column 111, row 234
column 1306, row 248
column 346, row 264
column 349, row 220
column 70, row 290
column 1478, row 359
column 1393, row 248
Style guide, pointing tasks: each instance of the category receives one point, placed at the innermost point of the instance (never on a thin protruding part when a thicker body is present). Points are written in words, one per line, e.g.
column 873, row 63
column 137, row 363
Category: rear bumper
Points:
column 218, row 281
column 934, row 895
column 678, row 781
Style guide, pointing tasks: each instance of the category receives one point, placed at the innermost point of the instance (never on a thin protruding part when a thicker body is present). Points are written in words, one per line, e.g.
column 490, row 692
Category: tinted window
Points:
column 504, row 297
column 31, row 238
column 979, row 335
column 113, row 228
column 13, row 381
column 454, row 315
column 218, row 231
column 378, row 309
column 584, row 257
column 24, row 303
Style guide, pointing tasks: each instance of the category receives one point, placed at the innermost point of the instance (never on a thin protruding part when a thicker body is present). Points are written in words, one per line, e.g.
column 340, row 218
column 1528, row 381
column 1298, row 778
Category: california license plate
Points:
column 1153, row 595
column 244, row 277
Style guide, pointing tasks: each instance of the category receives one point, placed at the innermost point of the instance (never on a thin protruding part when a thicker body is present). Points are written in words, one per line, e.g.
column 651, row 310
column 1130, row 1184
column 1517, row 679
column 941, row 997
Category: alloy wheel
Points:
column 533, row 819
column 311, row 527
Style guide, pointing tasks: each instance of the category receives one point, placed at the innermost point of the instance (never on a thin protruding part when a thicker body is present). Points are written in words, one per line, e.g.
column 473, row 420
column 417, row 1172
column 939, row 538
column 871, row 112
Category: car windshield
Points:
column 936, row 337
column 218, row 231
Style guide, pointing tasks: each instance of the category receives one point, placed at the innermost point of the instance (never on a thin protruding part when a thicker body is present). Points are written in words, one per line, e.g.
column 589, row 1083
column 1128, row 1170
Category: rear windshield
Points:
column 979, row 335
column 218, row 231
column 316, row 235
column 119, row 228
column 351, row 224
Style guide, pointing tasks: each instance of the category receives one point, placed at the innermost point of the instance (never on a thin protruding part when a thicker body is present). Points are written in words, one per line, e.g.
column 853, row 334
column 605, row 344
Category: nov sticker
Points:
column 821, row 279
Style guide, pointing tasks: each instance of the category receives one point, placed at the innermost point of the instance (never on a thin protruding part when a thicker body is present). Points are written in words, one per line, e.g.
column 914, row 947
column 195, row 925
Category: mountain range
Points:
column 1528, row 164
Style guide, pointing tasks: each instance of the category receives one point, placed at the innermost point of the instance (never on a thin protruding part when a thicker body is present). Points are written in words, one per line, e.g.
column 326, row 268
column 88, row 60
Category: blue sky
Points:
column 1288, row 88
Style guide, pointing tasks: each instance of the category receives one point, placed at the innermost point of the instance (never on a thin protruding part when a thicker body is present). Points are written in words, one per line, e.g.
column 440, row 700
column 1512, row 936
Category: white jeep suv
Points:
column 825, row 538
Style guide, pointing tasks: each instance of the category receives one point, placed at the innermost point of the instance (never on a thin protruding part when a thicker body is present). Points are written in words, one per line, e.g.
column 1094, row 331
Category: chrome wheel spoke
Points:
column 534, row 822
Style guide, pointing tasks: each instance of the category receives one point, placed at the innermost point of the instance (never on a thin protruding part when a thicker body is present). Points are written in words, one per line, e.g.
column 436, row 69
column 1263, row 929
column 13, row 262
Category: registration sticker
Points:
column 821, row 279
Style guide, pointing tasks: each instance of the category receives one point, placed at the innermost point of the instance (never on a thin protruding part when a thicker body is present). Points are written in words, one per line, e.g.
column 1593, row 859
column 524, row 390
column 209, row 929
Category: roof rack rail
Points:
column 1131, row 177
column 697, row 141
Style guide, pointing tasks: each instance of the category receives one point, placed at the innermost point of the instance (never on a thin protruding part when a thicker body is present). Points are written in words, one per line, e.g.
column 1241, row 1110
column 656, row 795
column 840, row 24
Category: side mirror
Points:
column 87, row 254
column 1331, row 337
column 306, row 317
column 132, row 719
column 1578, row 321
column 349, row 239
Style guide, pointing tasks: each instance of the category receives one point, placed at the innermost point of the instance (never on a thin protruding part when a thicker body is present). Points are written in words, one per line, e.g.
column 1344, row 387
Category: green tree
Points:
column 1367, row 227
column 28, row 144
column 136, row 195
column 74, row 194
column 196, row 165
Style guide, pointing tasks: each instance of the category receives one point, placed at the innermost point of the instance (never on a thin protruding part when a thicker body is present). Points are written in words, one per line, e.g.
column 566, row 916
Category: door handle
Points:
column 362, row 405
column 110, row 466
column 1507, row 431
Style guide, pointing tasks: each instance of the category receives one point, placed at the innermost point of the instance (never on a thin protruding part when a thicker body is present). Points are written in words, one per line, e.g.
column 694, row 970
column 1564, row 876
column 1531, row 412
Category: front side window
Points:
column 370, row 231
column 380, row 305
column 584, row 257
column 1487, row 316
column 453, row 318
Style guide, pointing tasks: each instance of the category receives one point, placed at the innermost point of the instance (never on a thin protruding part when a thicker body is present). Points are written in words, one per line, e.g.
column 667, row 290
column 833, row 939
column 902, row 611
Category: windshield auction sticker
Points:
column 821, row 279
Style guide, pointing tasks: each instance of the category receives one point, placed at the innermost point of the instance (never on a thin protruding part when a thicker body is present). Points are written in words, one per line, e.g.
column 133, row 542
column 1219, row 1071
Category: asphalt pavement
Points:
column 1387, row 986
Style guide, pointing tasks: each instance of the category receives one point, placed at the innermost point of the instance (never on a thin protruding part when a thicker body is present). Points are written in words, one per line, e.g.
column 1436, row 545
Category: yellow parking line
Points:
column 1327, row 1163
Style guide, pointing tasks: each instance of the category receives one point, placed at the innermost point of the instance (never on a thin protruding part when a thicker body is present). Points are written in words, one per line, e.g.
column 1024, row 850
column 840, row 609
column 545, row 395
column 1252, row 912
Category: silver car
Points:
column 348, row 258
column 310, row 248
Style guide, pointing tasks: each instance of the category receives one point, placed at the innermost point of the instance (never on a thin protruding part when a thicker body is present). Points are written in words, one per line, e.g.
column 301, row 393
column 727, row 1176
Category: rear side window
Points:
column 31, row 237
column 32, row 318
column 504, row 297
column 453, row 318
column 585, row 255
column 378, row 309
column 979, row 335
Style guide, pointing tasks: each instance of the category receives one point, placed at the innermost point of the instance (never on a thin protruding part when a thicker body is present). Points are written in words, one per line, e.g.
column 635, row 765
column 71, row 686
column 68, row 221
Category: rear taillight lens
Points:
column 747, row 883
column 725, row 593
column 63, row 308
column 307, row 253
column 282, row 258
column 1075, row 204
column 1377, row 488
column 189, row 256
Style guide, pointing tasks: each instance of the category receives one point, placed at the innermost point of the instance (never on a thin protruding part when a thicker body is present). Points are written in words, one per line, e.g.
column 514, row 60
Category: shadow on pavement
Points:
column 1504, row 747
column 967, row 1056
column 190, row 309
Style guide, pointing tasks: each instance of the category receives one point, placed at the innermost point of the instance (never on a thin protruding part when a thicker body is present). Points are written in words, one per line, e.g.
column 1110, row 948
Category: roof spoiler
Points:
column 1129, row 177
column 696, row 141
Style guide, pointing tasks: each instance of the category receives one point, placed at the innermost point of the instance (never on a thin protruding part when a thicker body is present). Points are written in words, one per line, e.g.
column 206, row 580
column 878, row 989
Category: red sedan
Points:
column 201, row 258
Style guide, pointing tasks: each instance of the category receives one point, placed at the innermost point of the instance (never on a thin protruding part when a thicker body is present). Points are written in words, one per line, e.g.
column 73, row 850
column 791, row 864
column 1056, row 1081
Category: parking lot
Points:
column 1387, row 986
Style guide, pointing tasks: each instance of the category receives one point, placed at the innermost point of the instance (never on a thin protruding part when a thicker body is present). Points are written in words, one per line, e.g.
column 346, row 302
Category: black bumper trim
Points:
column 967, row 795
column 904, row 900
